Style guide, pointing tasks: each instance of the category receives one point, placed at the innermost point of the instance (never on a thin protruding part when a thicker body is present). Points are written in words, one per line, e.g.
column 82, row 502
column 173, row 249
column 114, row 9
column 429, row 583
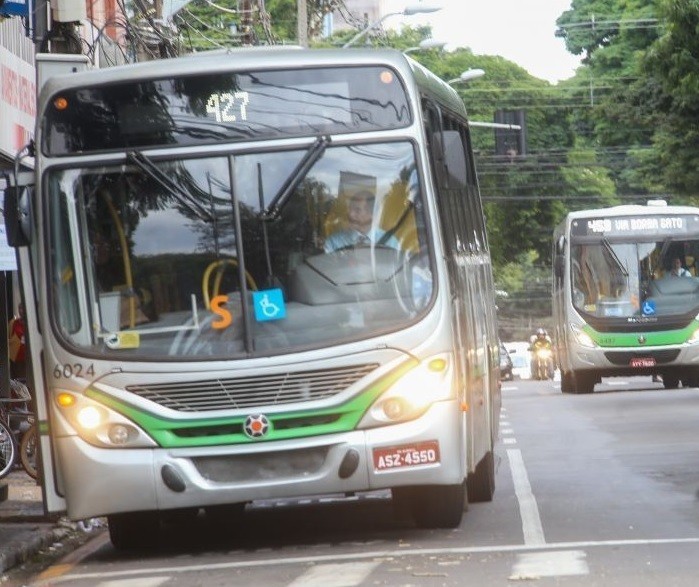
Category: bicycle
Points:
column 8, row 448
column 18, row 422
column 29, row 450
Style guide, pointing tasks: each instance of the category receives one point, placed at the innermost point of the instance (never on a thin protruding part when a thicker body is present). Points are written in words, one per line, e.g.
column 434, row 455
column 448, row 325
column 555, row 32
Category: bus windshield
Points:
column 208, row 258
column 636, row 279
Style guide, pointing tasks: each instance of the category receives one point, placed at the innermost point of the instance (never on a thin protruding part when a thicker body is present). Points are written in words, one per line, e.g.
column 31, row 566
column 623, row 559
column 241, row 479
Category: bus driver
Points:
column 360, row 230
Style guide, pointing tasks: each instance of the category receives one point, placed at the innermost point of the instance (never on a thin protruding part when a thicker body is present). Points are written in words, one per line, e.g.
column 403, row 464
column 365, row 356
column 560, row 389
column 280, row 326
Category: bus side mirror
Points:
column 559, row 264
column 560, row 245
column 17, row 212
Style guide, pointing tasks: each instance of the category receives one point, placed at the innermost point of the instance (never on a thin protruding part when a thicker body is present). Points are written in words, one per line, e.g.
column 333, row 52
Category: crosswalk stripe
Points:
column 335, row 575
column 138, row 582
column 532, row 565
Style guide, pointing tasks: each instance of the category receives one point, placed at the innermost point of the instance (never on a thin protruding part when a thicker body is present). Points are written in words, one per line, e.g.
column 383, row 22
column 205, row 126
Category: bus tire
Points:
column 481, row 483
column 134, row 530
column 433, row 506
column 671, row 381
column 584, row 382
column 567, row 382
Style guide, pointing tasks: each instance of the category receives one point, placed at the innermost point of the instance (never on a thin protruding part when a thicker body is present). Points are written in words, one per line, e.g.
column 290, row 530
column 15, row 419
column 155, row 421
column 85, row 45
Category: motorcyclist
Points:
column 541, row 341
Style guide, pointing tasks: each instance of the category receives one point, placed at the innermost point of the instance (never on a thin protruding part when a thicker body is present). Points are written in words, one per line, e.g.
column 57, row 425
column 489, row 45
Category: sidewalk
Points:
column 24, row 528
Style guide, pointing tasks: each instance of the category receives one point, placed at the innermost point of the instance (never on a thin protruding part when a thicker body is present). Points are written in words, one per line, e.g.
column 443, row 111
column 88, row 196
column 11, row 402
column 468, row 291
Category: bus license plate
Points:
column 408, row 455
column 643, row 362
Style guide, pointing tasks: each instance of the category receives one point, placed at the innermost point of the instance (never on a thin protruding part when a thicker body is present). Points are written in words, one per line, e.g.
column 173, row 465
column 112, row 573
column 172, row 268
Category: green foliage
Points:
column 673, row 64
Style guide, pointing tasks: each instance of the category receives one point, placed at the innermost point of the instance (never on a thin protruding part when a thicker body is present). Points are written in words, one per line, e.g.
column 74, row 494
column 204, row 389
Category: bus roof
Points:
column 632, row 209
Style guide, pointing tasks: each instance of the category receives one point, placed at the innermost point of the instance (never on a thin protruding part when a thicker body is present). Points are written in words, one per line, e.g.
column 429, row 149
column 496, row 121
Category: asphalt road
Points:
column 596, row 489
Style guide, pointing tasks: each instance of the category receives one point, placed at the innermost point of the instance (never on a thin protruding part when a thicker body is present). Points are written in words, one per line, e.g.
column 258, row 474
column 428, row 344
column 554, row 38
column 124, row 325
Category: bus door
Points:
column 17, row 208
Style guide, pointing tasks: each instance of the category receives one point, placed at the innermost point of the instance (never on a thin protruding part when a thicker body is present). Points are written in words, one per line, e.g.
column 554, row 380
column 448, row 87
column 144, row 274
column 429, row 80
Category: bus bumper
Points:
column 102, row 481
column 627, row 361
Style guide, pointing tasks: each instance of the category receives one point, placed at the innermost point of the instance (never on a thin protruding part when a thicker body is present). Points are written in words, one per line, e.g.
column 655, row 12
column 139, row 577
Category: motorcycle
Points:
column 543, row 364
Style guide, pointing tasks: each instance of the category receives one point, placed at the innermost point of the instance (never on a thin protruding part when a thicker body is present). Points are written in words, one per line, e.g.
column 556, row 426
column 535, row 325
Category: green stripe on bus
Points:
column 630, row 339
column 191, row 432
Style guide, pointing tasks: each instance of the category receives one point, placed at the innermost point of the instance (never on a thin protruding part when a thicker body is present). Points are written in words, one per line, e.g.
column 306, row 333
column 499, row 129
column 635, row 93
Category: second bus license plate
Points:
column 407, row 455
column 642, row 362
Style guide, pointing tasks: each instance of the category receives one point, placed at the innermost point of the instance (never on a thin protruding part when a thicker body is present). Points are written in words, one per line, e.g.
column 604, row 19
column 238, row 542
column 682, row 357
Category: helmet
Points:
column 540, row 333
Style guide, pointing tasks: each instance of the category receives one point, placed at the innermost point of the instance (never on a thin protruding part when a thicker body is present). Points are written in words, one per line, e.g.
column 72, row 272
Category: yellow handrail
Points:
column 217, row 283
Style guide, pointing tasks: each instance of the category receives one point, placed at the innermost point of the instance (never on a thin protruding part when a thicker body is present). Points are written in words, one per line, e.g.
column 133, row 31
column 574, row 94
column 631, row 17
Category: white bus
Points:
column 197, row 345
column 626, row 295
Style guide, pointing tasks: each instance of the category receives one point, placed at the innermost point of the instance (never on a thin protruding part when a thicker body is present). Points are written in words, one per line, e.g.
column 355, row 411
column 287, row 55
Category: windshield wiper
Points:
column 153, row 171
column 314, row 153
column 615, row 258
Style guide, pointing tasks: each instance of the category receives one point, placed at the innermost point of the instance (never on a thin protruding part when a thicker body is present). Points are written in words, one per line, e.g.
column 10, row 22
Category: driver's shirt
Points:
column 352, row 237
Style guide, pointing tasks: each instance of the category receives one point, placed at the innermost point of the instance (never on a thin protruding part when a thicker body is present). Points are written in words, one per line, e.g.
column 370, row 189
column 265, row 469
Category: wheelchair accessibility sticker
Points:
column 269, row 305
column 648, row 308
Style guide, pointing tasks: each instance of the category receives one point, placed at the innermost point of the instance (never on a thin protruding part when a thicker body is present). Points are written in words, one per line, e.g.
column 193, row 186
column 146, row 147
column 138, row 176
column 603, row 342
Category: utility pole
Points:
column 302, row 22
column 246, row 22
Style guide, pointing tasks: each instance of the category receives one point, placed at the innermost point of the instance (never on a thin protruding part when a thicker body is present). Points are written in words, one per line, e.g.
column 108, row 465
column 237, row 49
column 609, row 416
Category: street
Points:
column 596, row 489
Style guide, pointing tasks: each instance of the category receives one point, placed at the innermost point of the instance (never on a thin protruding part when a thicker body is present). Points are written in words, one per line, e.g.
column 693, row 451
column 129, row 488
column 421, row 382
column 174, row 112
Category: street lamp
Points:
column 426, row 44
column 467, row 75
column 408, row 11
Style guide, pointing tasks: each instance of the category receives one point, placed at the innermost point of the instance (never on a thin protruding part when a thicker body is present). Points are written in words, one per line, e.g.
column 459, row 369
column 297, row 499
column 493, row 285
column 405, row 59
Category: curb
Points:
column 22, row 552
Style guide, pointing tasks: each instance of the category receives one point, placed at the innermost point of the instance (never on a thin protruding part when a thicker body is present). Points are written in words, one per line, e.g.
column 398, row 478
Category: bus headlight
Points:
column 99, row 425
column 582, row 337
column 410, row 397
column 89, row 417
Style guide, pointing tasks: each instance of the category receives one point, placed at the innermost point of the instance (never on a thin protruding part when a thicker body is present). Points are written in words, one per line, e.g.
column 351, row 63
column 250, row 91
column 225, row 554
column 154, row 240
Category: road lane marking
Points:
column 337, row 575
column 528, row 509
column 377, row 554
column 533, row 565
column 509, row 441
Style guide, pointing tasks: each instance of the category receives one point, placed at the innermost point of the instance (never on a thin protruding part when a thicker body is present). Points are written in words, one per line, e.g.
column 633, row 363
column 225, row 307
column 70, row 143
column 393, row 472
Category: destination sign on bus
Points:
column 206, row 108
column 635, row 225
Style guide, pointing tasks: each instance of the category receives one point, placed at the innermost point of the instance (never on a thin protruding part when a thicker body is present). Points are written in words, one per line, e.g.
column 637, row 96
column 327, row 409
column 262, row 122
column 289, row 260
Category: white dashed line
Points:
column 528, row 508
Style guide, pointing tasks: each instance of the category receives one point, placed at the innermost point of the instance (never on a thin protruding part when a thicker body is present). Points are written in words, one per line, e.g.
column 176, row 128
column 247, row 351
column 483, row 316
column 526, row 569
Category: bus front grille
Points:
column 252, row 392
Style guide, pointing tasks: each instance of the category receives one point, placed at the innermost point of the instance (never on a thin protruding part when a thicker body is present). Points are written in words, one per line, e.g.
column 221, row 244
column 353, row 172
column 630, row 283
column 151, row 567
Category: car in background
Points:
column 505, row 364
column 521, row 359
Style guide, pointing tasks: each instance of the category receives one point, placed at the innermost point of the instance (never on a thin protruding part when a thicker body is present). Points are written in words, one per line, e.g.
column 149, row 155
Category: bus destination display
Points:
column 635, row 226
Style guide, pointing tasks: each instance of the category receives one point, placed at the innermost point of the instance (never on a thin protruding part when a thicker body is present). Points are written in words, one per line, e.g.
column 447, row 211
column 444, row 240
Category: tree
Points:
column 673, row 72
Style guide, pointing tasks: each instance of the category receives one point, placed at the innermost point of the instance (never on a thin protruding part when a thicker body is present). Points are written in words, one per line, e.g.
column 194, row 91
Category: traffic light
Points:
column 510, row 142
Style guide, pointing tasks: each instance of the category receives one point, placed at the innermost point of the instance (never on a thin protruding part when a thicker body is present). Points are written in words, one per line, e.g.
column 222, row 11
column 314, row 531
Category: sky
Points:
column 522, row 31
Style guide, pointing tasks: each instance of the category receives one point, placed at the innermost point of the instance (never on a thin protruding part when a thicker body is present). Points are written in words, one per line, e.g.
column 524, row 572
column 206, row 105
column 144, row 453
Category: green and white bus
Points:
column 626, row 295
column 197, row 346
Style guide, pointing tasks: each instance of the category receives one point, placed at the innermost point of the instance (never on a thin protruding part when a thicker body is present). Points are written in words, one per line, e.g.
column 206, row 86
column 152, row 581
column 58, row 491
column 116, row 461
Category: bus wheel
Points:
column 433, row 506
column 134, row 530
column 481, row 483
column 584, row 382
column 567, row 382
column 671, row 381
